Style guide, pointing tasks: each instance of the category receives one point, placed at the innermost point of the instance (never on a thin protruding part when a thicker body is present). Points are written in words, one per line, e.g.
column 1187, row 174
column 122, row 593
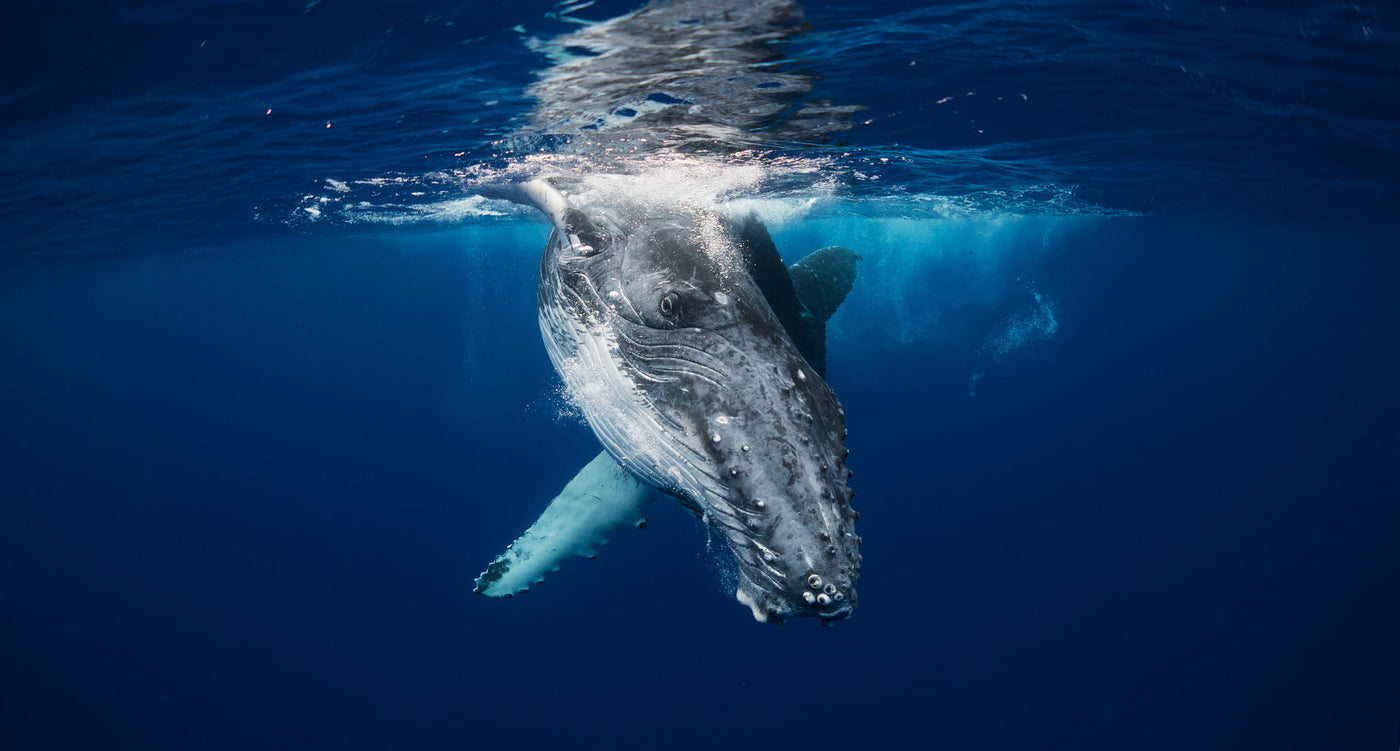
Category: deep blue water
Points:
column 1119, row 374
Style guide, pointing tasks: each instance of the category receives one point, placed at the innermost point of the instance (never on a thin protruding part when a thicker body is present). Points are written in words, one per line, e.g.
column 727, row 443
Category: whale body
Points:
column 681, row 337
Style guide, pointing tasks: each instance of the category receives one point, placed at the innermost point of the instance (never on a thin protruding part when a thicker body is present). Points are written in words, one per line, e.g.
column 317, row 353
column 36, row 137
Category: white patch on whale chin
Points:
column 759, row 614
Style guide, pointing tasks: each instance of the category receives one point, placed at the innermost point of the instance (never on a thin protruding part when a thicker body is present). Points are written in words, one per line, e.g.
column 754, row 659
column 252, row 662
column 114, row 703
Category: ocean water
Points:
column 1118, row 370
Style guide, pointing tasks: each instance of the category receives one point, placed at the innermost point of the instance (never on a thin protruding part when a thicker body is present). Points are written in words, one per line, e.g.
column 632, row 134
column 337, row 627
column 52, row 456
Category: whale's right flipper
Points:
column 601, row 498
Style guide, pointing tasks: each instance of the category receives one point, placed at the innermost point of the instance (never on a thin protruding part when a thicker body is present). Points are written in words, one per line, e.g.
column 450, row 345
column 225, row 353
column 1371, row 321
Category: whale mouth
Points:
column 775, row 608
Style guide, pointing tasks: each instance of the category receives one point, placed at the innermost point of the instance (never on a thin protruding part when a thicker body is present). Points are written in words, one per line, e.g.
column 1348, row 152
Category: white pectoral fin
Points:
column 538, row 193
column 601, row 498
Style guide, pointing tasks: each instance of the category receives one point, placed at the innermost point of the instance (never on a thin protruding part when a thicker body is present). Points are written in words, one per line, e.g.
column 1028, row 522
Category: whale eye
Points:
column 670, row 305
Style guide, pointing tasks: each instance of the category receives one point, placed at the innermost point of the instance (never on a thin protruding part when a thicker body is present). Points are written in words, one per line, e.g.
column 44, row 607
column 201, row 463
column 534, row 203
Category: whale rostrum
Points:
column 699, row 365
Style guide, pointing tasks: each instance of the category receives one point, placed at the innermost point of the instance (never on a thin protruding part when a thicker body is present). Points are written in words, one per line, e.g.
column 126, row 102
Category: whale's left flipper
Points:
column 601, row 498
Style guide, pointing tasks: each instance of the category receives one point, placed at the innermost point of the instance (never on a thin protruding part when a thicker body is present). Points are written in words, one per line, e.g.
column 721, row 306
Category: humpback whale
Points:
column 697, row 359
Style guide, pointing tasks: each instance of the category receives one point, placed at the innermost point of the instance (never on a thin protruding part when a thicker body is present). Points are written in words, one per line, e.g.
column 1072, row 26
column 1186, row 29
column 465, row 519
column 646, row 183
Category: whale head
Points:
column 679, row 364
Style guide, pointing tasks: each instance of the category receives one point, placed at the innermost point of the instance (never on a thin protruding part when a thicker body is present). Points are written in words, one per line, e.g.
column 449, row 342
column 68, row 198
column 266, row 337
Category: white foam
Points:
column 347, row 207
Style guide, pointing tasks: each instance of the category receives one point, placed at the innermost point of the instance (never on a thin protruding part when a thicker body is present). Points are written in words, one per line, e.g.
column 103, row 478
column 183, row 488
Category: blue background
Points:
column 251, row 463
